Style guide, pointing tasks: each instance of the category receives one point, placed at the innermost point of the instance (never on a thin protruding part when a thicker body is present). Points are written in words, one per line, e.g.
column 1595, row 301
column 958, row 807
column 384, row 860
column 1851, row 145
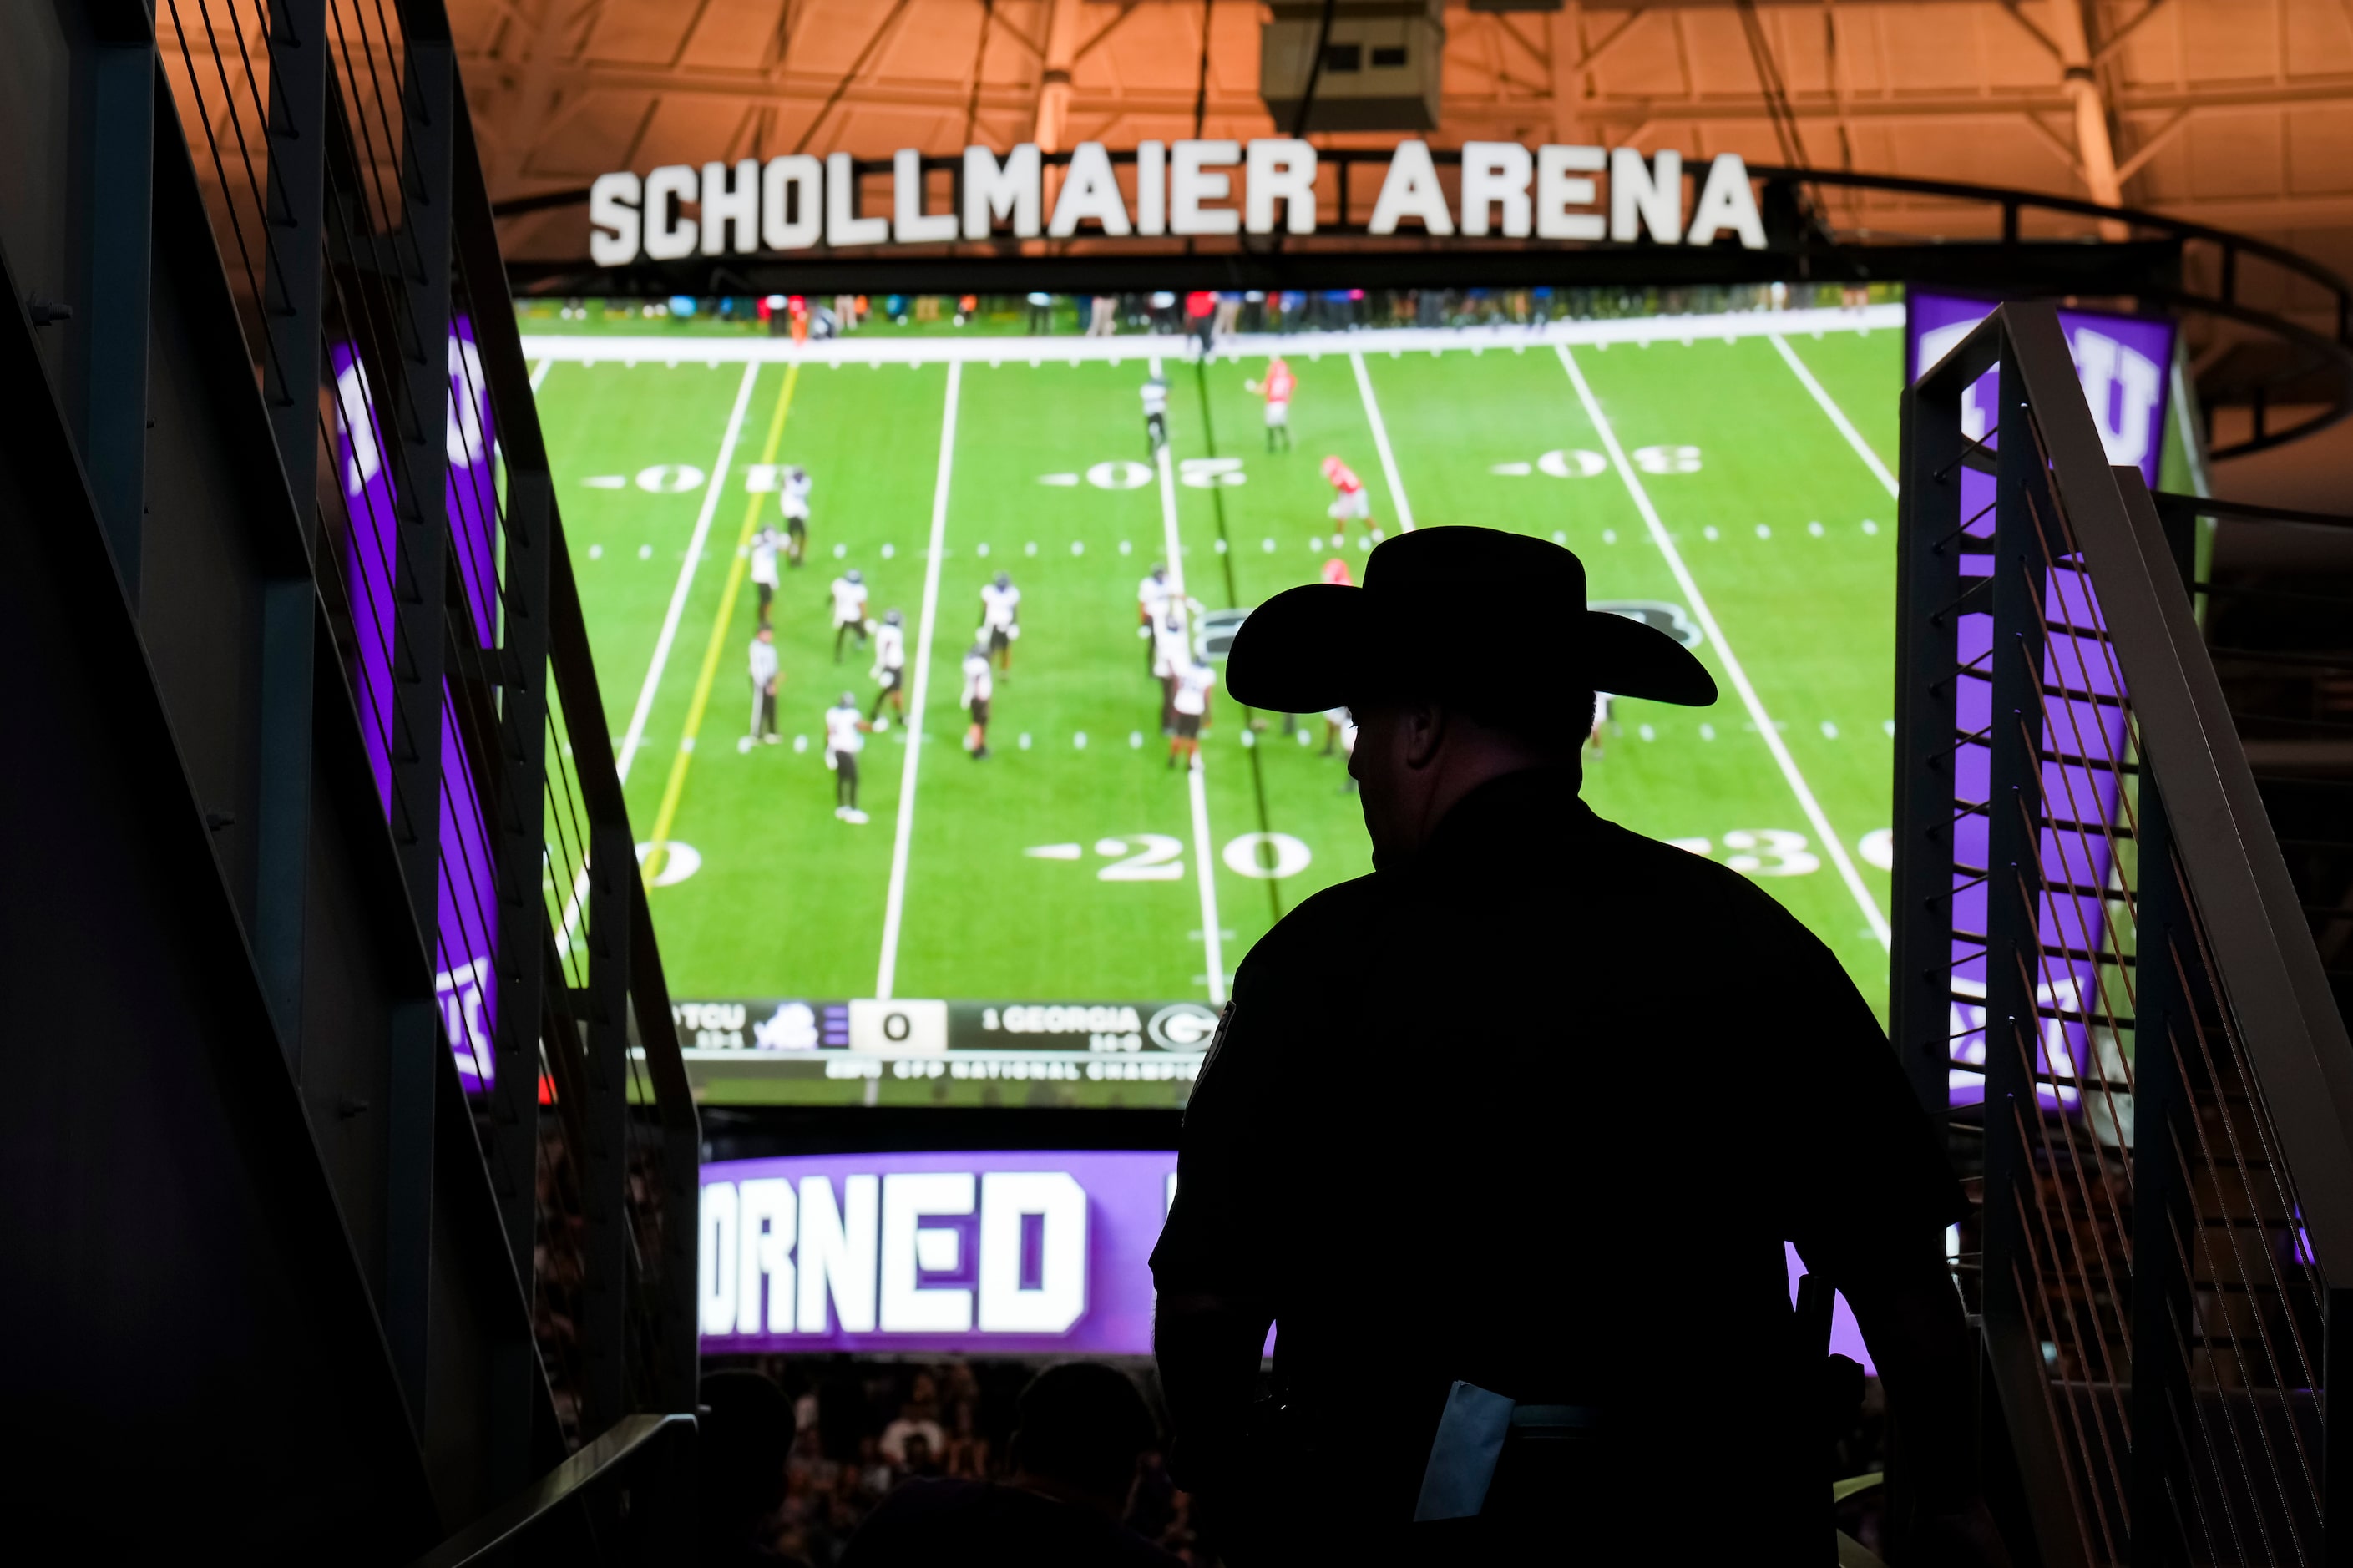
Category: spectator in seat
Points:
column 745, row 1433
column 1081, row 1436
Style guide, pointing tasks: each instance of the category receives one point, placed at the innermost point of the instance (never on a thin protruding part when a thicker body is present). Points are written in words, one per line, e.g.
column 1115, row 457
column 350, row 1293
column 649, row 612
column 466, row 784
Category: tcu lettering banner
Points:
column 466, row 903
column 1003, row 1253
column 2124, row 363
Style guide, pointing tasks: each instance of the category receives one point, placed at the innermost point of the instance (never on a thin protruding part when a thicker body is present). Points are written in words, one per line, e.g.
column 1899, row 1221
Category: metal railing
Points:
column 346, row 196
column 2103, row 979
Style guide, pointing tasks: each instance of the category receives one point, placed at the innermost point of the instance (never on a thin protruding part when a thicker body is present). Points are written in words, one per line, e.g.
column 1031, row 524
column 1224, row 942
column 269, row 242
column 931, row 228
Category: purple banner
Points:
column 2125, row 365
column 466, row 904
column 973, row 1254
column 1000, row 1254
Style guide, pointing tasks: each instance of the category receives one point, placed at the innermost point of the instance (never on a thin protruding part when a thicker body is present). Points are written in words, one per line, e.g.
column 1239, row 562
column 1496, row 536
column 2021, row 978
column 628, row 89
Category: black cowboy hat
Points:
column 1453, row 608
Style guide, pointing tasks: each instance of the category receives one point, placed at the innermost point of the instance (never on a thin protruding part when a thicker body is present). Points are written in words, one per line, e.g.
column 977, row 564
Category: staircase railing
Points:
column 346, row 192
column 2103, row 978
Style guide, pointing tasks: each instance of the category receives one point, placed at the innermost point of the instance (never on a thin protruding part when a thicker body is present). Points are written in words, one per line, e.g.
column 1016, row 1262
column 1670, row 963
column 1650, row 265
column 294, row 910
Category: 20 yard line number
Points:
column 1160, row 856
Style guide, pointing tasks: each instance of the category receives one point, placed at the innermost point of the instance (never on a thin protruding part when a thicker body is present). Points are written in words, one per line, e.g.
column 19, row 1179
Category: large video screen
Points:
column 1056, row 922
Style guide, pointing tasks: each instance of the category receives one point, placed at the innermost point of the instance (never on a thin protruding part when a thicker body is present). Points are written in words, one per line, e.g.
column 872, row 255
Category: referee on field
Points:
column 1524, row 1259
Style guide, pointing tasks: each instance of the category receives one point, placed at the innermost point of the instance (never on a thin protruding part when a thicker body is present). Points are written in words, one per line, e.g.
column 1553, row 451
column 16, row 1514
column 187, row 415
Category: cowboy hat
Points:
column 1453, row 609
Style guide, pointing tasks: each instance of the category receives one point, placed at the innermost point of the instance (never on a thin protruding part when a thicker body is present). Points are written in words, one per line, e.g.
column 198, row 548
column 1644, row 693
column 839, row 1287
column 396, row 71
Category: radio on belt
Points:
column 899, row 1028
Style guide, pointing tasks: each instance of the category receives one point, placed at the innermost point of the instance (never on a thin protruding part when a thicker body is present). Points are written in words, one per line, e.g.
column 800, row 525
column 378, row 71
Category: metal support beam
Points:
column 292, row 289
column 419, row 256
column 604, row 1162
column 124, row 93
column 1054, row 82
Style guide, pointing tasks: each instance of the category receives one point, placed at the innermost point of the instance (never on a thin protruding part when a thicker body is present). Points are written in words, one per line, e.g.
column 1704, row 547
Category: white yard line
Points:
column 1213, row 950
column 1834, row 847
column 636, row 735
column 855, row 349
column 904, row 839
column 1381, row 444
column 1836, row 415
column 539, row 374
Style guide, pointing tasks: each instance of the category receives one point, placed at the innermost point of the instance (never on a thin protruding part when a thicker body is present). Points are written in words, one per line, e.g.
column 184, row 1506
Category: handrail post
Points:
column 418, row 255
column 293, row 289
column 604, row 1163
column 2163, row 1312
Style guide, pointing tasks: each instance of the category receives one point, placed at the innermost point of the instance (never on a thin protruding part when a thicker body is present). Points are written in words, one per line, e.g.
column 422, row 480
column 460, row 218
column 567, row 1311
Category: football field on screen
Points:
column 1735, row 484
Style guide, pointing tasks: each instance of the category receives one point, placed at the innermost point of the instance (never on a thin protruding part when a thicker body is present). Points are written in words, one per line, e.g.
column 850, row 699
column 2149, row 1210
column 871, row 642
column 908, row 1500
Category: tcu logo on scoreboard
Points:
column 2124, row 386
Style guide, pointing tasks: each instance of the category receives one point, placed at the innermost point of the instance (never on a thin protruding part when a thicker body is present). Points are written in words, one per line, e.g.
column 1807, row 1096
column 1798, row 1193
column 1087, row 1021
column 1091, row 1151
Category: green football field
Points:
column 1736, row 474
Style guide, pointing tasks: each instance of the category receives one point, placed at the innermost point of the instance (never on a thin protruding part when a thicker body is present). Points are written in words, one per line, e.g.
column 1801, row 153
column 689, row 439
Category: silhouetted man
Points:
column 743, row 1435
column 1083, row 1433
column 1592, row 1084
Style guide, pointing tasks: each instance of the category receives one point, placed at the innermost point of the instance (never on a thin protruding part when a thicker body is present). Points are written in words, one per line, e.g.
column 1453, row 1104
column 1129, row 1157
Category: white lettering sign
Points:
column 1194, row 187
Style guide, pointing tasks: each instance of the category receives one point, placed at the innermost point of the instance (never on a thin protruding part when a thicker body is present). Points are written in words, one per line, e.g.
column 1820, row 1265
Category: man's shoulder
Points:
column 1332, row 916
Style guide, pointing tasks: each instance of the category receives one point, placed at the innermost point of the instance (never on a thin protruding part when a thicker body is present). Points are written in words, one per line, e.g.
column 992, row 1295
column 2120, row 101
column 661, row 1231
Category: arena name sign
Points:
column 800, row 202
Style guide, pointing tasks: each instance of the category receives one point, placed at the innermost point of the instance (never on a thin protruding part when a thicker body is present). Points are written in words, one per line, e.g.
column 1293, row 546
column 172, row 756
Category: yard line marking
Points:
column 1381, row 443
column 636, row 735
column 904, row 839
column 1197, row 792
column 1836, row 415
column 539, row 374
column 1831, row 844
column 738, row 568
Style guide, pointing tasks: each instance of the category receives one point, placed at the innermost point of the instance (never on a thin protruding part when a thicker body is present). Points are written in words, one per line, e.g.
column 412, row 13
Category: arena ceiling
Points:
column 2237, row 113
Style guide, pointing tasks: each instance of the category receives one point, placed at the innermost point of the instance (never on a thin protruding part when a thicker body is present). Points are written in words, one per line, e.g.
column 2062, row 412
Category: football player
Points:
column 793, row 493
column 1189, row 704
column 1000, row 618
column 1602, row 702
column 765, row 678
column 1152, row 597
column 845, row 736
column 763, row 568
column 890, row 668
column 978, row 690
column 1350, row 501
column 848, row 610
column 1156, row 414
column 1276, row 389
column 1172, row 653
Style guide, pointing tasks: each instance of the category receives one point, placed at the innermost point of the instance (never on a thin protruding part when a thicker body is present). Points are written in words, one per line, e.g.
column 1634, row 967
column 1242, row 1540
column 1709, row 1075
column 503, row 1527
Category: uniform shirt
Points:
column 1193, row 690
column 1170, row 650
column 764, row 663
column 1154, row 594
column 1344, row 479
column 797, row 493
column 1549, row 1135
column 841, row 730
column 1155, row 397
column 764, row 556
column 848, row 601
column 978, row 684
column 889, row 646
column 999, row 606
column 1279, row 384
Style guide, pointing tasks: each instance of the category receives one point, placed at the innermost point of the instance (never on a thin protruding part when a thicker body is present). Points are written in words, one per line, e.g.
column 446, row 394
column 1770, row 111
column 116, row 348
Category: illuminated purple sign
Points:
column 465, row 905
column 2125, row 365
column 977, row 1254
column 1007, row 1254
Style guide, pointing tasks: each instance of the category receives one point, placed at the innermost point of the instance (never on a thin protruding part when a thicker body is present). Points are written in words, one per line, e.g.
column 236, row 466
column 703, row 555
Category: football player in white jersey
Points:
column 1172, row 651
column 845, row 737
column 848, row 610
column 1151, row 605
column 765, row 677
column 890, row 668
column 977, row 689
column 1156, row 412
column 1602, row 701
column 1189, row 704
column 763, row 569
column 793, row 495
column 1000, row 618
